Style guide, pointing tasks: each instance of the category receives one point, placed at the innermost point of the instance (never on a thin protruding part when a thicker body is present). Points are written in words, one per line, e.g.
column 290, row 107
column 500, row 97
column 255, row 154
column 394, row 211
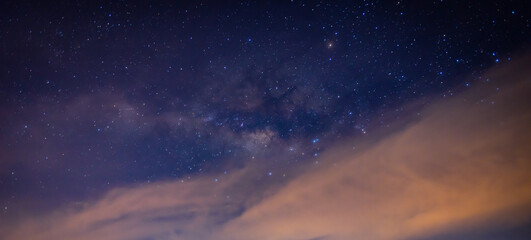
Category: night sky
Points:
column 258, row 120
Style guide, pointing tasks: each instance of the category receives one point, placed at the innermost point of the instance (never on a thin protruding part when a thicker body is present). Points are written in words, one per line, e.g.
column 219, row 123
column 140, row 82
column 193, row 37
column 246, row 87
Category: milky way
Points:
column 265, row 120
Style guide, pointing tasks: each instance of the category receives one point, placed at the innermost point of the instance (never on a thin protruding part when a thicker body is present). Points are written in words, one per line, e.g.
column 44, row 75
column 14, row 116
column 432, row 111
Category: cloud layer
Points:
column 464, row 165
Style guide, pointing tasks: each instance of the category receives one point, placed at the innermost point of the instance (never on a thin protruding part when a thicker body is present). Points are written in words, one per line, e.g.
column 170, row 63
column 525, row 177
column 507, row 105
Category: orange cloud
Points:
column 467, row 162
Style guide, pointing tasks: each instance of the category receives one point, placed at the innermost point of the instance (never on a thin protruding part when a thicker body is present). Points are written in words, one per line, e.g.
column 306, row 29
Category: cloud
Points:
column 159, row 211
column 464, row 165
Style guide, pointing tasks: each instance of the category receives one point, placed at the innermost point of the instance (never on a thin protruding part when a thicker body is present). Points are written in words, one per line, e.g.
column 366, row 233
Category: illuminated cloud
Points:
column 464, row 165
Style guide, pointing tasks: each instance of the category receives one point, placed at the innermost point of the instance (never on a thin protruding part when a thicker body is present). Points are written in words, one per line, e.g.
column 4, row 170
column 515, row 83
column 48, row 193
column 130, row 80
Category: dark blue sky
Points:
column 104, row 94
